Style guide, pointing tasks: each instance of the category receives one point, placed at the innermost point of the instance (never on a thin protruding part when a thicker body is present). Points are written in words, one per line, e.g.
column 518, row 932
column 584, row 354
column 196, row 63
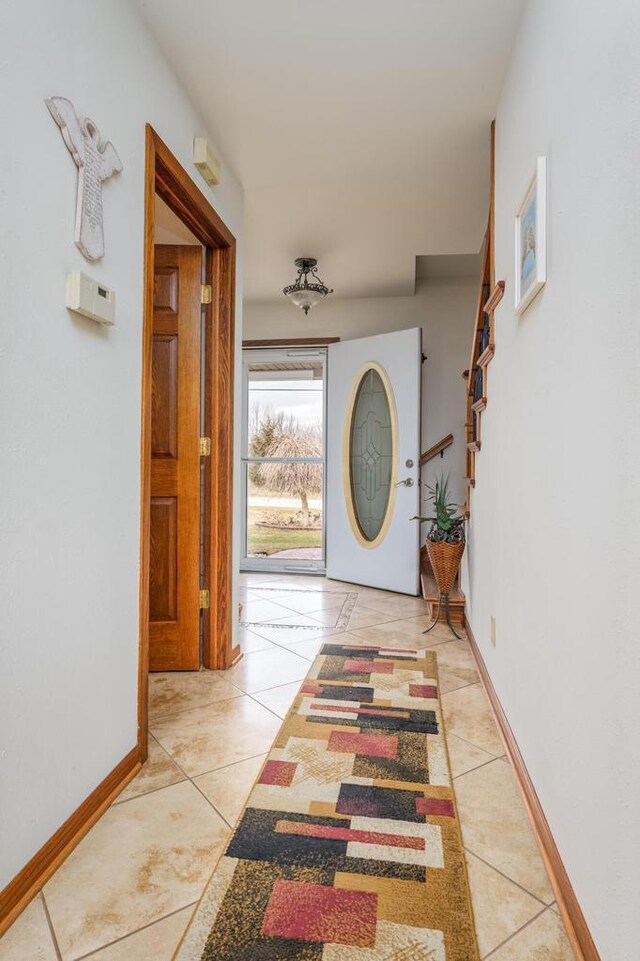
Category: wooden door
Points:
column 174, row 608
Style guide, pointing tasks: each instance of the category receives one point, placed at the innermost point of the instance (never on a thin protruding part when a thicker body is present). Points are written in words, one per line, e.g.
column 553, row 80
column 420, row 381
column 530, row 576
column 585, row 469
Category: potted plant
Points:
column 445, row 540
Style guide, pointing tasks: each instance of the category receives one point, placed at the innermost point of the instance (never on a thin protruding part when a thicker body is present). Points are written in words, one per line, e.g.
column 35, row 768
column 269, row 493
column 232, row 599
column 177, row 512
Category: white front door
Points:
column 373, row 447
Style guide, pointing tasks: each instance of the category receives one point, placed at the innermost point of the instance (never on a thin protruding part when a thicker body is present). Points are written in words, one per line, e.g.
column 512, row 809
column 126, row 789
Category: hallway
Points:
column 128, row 890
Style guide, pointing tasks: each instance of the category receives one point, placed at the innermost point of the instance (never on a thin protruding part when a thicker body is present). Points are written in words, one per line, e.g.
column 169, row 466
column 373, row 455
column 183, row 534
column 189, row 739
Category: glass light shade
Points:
column 305, row 298
column 302, row 293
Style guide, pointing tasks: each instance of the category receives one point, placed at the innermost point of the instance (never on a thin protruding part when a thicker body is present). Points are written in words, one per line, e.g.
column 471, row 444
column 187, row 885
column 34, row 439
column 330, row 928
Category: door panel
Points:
column 373, row 434
column 174, row 610
column 164, row 402
column 163, row 574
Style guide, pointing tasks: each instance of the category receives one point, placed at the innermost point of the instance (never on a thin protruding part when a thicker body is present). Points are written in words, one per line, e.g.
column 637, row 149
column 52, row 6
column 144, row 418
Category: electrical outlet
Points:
column 493, row 631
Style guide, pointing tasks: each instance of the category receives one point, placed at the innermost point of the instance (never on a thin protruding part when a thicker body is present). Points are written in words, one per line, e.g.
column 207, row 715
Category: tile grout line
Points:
column 332, row 632
column 52, row 931
column 109, row 944
column 335, row 635
column 222, row 700
column 153, row 790
column 281, row 719
column 120, row 800
column 325, row 631
column 385, row 619
column 356, row 630
column 494, row 757
column 282, row 647
column 476, row 768
column 187, row 777
column 324, row 639
column 355, row 633
column 302, row 590
column 223, row 767
column 389, row 620
column 180, row 710
column 515, row 933
column 310, row 613
column 508, row 878
column 215, row 770
column 163, row 786
column 473, row 769
column 461, row 688
column 210, row 802
column 191, row 781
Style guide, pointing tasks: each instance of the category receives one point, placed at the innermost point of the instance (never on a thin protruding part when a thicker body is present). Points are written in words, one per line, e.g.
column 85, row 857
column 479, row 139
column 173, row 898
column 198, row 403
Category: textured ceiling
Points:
column 358, row 128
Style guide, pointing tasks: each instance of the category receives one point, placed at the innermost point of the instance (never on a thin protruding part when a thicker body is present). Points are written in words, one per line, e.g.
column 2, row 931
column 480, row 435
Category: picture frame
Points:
column 531, row 239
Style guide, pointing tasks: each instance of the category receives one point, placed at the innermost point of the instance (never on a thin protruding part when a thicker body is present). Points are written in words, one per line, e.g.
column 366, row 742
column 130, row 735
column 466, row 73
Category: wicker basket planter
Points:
column 445, row 560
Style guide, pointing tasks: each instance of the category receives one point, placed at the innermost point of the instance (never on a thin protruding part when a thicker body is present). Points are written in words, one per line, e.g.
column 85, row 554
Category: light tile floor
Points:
column 128, row 890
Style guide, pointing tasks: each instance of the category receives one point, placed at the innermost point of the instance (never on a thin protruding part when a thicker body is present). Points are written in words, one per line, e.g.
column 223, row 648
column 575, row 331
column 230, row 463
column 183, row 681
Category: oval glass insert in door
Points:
column 371, row 450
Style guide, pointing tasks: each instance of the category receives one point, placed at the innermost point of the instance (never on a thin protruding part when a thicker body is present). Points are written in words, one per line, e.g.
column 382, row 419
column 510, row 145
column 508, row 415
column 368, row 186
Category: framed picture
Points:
column 531, row 239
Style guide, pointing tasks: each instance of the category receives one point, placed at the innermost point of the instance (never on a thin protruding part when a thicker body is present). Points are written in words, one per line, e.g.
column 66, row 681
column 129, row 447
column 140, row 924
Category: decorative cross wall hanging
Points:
column 96, row 161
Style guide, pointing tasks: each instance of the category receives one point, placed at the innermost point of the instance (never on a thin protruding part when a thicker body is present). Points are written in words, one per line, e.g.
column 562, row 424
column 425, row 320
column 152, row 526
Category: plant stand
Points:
column 445, row 560
column 443, row 597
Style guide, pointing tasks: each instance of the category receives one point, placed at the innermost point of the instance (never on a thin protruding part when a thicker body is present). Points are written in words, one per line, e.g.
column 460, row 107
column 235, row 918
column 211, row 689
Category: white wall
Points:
column 443, row 307
column 70, row 403
column 553, row 549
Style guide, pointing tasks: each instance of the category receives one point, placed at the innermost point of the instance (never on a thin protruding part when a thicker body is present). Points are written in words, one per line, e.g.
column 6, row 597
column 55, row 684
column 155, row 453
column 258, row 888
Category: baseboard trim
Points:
column 575, row 923
column 26, row 884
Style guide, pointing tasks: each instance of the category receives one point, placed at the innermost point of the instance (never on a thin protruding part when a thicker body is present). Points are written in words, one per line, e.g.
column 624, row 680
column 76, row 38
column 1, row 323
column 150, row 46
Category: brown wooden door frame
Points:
column 165, row 177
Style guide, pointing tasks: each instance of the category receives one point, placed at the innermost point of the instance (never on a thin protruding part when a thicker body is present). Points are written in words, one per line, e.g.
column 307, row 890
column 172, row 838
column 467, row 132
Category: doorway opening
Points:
column 186, row 614
column 283, row 460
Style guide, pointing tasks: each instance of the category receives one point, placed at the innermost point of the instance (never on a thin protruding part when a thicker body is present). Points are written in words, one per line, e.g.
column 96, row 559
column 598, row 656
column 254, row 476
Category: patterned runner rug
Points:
column 349, row 847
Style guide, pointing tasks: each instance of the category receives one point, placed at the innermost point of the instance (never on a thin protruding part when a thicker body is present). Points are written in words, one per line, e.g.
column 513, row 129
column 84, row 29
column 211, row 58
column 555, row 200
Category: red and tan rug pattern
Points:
column 349, row 846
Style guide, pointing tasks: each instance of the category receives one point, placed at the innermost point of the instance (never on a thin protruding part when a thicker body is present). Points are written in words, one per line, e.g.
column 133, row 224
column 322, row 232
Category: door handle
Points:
column 407, row 482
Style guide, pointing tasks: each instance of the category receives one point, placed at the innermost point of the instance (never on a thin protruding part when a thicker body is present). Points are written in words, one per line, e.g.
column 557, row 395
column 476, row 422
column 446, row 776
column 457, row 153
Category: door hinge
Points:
column 205, row 447
column 205, row 294
column 204, row 600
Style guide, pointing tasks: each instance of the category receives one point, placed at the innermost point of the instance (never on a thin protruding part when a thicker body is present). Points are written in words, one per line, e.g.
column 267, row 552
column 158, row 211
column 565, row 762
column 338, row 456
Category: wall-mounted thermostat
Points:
column 90, row 298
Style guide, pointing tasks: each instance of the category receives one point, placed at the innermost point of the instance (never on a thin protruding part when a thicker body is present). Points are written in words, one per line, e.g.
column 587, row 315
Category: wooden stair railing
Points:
column 438, row 448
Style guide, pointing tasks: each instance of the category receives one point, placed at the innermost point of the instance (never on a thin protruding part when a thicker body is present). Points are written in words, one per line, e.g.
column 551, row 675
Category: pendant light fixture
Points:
column 302, row 293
